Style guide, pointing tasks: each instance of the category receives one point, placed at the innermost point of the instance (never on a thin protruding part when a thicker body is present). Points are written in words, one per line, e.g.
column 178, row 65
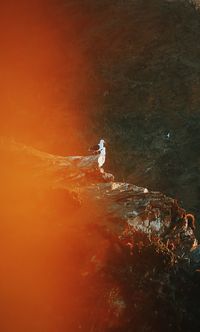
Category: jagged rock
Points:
column 148, row 212
column 120, row 243
column 61, row 170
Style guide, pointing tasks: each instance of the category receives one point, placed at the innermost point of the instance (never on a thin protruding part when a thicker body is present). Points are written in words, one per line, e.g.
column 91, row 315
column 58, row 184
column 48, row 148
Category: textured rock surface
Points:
column 113, row 257
column 146, row 211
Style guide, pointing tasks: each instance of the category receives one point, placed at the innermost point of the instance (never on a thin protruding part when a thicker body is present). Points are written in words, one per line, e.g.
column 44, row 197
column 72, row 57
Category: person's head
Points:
column 102, row 143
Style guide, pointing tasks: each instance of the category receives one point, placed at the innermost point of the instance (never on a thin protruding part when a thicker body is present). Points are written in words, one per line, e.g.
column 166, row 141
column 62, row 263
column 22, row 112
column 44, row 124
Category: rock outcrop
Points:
column 147, row 212
column 121, row 255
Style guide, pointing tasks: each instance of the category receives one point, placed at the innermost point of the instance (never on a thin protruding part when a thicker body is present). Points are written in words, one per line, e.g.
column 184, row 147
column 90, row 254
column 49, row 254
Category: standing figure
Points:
column 102, row 155
column 101, row 150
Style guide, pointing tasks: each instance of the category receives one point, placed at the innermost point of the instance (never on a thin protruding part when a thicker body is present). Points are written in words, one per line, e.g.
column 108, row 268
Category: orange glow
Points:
column 44, row 86
column 44, row 74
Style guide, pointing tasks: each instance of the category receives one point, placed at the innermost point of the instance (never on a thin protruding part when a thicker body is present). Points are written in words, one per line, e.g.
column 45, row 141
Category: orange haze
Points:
column 44, row 74
column 44, row 87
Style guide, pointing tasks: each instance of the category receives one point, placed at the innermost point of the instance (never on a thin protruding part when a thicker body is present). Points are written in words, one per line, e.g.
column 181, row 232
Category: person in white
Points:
column 102, row 151
column 99, row 149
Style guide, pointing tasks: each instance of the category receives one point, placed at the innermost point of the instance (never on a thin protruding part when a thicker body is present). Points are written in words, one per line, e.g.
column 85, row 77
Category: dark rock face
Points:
column 150, row 74
column 122, row 257
column 132, row 75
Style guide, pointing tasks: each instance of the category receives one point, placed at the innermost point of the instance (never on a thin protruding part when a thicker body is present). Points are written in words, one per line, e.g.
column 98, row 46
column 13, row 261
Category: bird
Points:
column 168, row 135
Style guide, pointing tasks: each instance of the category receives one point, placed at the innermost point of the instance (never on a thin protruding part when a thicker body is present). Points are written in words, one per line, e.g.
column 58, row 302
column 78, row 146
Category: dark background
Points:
column 128, row 71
